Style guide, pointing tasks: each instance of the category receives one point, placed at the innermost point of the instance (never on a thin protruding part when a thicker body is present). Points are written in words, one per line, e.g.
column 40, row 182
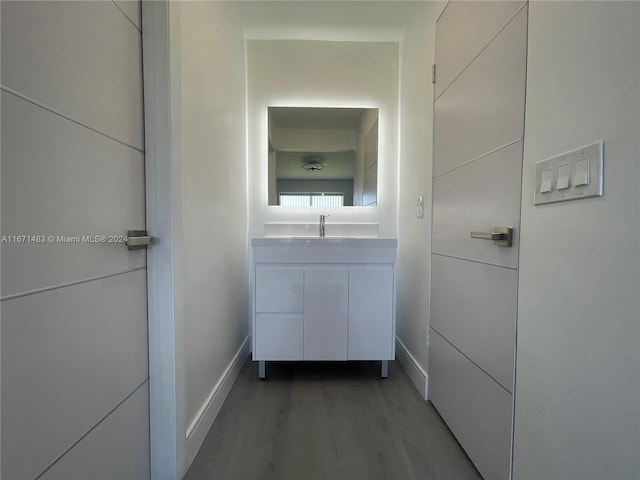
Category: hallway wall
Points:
column 214, row 196
column 577, row 384
column 416, row 160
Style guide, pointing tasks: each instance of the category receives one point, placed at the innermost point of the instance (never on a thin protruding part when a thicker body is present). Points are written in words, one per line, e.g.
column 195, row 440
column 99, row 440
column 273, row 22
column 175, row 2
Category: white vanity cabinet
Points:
column 323, row 299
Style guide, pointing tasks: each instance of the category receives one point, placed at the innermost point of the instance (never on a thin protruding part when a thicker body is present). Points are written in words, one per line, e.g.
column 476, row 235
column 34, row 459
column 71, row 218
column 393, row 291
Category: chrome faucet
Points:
column 322, row 220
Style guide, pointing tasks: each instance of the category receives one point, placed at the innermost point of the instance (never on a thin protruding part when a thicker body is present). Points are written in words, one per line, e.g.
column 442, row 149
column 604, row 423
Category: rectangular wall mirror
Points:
column 323, row 157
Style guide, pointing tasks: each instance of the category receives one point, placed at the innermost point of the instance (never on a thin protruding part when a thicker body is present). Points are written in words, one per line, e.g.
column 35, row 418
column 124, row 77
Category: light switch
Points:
column 581, row 177
column 547, row 181
column 564, row 173
column 420, row 207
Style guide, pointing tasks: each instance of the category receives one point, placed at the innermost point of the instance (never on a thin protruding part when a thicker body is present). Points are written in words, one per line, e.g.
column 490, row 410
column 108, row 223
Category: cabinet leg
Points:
column 384, row 368
column 262, row 369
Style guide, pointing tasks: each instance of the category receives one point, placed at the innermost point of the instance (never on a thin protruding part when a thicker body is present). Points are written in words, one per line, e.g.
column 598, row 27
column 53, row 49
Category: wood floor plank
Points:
column 328, row 421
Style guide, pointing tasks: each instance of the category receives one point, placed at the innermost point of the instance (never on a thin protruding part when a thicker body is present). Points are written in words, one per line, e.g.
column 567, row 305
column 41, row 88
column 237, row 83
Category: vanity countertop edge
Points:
column 323, row 242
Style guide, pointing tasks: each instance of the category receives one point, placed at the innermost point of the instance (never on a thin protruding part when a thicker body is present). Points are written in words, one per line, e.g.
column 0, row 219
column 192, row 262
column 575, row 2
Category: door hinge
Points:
column 433, row 73
column 137, row 239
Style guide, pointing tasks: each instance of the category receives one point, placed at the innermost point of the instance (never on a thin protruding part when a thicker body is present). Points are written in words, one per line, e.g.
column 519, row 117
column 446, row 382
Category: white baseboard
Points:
column 202, row 422
column 417, row 375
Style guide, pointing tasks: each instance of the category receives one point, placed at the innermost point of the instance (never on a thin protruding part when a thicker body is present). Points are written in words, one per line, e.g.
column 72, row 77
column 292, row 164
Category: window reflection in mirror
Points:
column 323, row 157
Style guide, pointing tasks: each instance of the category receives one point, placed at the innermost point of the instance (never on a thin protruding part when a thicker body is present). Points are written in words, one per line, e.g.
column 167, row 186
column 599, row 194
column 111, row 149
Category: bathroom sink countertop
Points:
column 324, row 242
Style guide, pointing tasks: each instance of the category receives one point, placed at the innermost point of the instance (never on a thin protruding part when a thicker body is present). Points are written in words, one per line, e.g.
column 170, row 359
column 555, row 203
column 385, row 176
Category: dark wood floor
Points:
column 328, row 421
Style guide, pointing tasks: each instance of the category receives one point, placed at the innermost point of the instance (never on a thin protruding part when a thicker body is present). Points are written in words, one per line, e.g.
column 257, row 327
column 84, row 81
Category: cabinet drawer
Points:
column 279, row 289
column 278, row 337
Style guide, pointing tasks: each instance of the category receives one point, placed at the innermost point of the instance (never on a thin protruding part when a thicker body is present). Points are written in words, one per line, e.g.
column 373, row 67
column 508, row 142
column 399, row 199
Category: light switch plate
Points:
column 561, row 192
column 420, row 207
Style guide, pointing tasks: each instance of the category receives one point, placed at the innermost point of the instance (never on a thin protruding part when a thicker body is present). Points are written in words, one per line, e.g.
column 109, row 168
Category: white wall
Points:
column 323, row 74
column 577, row 387
column 216, row 296
column 416, row 160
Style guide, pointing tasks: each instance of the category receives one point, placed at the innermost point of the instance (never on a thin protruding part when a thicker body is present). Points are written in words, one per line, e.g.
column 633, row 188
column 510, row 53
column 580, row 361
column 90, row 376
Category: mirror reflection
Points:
column 323, row 157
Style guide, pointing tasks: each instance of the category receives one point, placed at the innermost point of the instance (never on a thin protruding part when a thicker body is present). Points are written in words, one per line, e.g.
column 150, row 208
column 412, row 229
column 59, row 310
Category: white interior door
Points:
column 478, row 133
column 74, row 313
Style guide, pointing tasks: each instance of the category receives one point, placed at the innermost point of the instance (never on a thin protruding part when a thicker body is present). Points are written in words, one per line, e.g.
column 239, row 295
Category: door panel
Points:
column 120, row 433
column 484, row 108
column 83, row 59
column 132, row 9
column 476, row 408
column 461, row 36
column 58, row 181
column 326, row 311
column 477, row 197
column 477, row 176
column 473, row 305
column 74, row 317
column 370, row 311
column 80, row 351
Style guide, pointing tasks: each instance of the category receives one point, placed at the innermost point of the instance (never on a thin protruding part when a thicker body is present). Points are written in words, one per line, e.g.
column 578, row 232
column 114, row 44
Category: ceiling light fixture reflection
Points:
column 313, row 164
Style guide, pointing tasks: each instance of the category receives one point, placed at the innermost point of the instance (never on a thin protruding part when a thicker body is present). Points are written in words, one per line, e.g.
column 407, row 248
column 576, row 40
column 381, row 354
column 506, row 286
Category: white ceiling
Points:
column 315, row 118
column 346, row 21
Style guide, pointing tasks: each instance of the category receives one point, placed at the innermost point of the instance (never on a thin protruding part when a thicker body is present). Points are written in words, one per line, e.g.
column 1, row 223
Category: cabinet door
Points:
column 371, row 332
column 278, row 337
column 325, row 313
column 278, row 289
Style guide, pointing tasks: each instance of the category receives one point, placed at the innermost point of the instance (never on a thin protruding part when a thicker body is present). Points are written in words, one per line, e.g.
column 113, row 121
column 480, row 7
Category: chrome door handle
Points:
column 488, row 235
column 137, row 239
column 501, row 236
